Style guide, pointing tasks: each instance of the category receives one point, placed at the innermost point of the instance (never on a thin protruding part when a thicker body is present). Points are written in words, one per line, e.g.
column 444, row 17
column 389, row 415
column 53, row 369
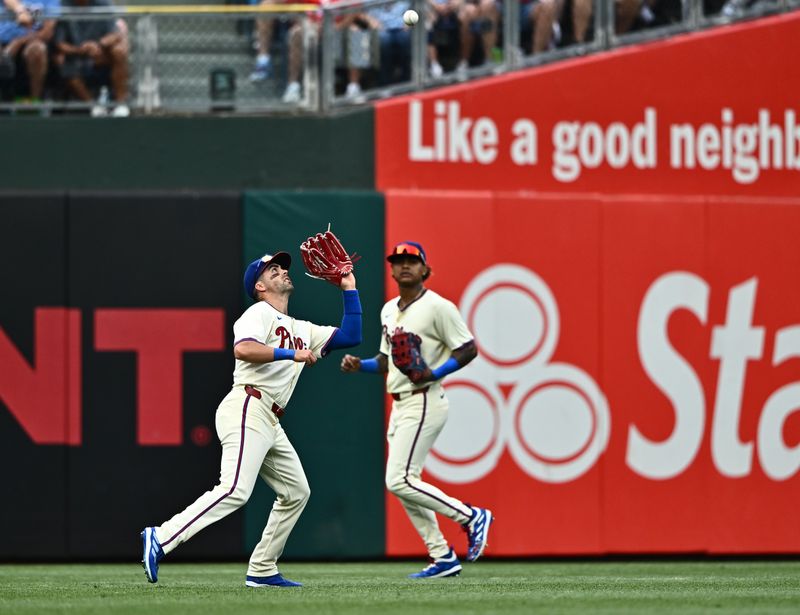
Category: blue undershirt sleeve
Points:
column 349, row 332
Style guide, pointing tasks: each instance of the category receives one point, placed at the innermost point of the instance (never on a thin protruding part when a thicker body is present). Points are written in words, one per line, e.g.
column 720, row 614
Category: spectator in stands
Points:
column 350, row 27
column 24, row 40
column 293, row 92
column 442, row 25
column 538, row 19
column 395, row 41
column 471, row 19
column 581, row 18
column 625, row 16
column 657, row 13
column 85, row 48
column 357, row 31
column 483, row 19
column 265, row 28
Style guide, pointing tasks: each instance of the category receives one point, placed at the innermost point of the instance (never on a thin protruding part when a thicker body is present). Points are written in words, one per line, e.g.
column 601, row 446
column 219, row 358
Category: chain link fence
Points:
column 300, row 58
column 200, row 62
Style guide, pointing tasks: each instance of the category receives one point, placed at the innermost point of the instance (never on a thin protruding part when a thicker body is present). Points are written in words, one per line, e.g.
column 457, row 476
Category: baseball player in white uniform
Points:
column 419, row 410
column 271, row 349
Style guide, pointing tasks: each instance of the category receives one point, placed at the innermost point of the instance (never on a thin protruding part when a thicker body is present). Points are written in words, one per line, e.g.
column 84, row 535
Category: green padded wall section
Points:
column 334, row 420
column 196, row 153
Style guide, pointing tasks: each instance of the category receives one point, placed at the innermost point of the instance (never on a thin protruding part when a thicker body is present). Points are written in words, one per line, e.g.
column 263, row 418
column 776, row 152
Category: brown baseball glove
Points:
column 326, row 259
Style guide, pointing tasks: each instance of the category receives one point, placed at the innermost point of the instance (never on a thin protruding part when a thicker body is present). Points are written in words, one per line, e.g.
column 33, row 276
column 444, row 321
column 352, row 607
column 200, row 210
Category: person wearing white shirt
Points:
column 271, row 350
column 420, row 407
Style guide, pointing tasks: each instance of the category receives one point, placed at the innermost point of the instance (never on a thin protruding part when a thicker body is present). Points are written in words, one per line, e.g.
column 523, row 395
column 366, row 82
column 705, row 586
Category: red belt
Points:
column 396, row 396
column 276, row 409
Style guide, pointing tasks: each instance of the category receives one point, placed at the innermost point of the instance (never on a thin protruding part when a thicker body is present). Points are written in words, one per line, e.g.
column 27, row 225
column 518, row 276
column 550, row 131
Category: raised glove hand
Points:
column 326, row 259
column 407, row 356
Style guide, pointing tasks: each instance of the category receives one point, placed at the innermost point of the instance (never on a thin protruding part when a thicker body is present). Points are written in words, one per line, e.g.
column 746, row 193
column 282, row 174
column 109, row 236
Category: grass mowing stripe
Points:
column 485, row 587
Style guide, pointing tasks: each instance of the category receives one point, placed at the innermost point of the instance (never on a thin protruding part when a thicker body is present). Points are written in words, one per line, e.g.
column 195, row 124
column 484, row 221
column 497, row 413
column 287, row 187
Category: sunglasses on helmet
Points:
column 407, row 248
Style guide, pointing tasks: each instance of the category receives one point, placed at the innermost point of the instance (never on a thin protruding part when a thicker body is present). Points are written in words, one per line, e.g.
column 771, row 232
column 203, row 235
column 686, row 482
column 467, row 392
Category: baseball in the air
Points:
column 410, row 17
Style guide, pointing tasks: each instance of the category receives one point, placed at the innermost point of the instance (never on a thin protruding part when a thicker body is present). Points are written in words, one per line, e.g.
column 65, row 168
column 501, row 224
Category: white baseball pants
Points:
column 414, row 424
column 253, row 444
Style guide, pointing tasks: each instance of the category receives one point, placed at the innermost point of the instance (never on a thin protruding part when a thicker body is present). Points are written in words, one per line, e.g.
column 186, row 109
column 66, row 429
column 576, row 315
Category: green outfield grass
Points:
column 485, row 587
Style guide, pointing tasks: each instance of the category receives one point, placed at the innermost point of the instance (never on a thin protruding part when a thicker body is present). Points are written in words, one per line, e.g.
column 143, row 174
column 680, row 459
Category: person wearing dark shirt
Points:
column 83, row 46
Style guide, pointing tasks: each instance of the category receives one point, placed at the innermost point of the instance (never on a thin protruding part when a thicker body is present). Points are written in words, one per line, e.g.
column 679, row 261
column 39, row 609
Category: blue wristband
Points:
column 369, row 366
column 448, row 367
column 283, row 354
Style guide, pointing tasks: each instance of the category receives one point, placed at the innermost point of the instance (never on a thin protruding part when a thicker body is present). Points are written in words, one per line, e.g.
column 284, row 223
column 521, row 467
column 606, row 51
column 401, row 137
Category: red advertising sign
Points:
column 638, row 383
column 696, row 114
column 158, row 337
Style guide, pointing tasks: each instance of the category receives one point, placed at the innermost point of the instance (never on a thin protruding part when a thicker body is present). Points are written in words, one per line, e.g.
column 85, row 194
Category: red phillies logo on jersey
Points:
column 287, row 341
column 387, row 337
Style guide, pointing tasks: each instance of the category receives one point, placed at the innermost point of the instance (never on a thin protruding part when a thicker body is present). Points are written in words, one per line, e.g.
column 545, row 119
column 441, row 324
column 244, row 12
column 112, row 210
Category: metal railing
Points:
column 199, row 59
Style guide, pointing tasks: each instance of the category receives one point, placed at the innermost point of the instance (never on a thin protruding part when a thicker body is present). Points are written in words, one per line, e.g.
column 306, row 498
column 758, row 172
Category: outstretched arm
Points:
column 378, row 364
column 349, row 332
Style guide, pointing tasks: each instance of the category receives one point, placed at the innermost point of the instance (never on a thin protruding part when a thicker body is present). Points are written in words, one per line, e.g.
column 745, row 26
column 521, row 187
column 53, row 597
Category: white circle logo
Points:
column 552, row 417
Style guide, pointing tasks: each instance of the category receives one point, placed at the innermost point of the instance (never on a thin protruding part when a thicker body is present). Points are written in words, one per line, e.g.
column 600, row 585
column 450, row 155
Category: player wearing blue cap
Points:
column 271, row 349
column 419, row 411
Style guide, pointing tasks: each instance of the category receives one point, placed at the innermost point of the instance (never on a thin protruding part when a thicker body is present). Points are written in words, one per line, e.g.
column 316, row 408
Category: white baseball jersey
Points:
column 264, row 324
column 435, row 320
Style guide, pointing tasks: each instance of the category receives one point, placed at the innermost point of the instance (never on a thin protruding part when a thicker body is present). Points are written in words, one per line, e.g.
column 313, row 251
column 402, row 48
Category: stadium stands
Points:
column 179, row 50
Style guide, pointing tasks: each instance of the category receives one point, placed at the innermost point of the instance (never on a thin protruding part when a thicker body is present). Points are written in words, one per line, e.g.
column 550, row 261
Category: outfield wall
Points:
column 626, row 257
column 188, row 153
column 115, row 348
column 620, row 233
column 638, row 383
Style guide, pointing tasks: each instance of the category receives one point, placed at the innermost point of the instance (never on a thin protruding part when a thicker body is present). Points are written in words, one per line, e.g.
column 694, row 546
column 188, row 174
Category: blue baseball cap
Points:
column 410, row 248
column 256, row 268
